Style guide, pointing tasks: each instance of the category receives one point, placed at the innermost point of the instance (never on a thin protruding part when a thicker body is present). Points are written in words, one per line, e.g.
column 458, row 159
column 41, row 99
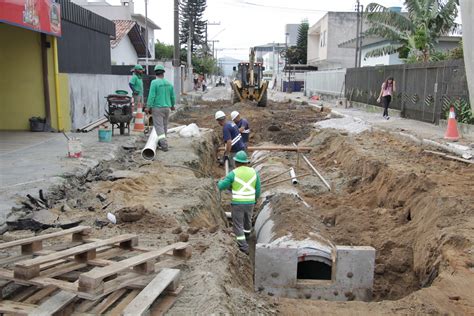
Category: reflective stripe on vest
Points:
column 236, row 139
column 243, row 187
column 240, row 237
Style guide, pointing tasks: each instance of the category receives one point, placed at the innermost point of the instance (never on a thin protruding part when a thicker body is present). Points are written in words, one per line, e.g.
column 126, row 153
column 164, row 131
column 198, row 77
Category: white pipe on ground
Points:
column 149, row 151
column 293, row 176
column 226, row 167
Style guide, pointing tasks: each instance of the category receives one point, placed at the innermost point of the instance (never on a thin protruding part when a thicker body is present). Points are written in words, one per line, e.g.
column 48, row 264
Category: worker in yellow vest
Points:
column 245, row 184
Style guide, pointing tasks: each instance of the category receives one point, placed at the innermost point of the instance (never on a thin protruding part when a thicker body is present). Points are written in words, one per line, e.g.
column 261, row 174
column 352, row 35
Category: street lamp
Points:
column 146, row 36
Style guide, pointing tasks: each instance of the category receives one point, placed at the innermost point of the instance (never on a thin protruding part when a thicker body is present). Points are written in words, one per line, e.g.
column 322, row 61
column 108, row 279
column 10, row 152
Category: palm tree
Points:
column 415, row 32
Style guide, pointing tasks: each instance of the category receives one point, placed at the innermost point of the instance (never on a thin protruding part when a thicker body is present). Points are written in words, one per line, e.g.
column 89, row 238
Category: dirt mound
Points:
column 410, row 207
column 132, row 214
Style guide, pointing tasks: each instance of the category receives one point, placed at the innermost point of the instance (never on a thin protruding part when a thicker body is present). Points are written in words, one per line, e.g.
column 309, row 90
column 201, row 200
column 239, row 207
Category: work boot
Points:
column 163, row 144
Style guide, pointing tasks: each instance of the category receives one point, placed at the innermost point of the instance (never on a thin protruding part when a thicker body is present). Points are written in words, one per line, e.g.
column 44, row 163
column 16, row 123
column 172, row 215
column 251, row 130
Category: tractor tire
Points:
column 263, row 101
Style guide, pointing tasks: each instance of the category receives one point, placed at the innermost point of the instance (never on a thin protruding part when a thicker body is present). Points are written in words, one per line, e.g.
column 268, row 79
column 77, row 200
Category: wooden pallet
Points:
column 84, row 271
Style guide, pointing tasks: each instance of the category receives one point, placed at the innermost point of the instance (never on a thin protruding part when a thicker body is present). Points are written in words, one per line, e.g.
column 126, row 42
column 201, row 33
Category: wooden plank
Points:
column 149, row 294
column 16, row 308
column 117, row 310
column 23, row 293
column 41, row 294
column 449, row 156
column 109, row 301
column 91, row 280
column 39, row 281
column 30, row 268
column 164, row 304
column 54, row 304
column 276, row 148
column 30, row 240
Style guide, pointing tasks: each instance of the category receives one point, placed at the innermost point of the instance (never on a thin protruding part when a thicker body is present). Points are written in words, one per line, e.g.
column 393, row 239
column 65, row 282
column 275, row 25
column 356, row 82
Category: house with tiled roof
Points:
column 130, row 44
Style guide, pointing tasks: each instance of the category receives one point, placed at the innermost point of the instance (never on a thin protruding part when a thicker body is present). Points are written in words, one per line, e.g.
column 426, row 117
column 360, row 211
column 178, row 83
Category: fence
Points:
column 424, row 91
column 330, row 82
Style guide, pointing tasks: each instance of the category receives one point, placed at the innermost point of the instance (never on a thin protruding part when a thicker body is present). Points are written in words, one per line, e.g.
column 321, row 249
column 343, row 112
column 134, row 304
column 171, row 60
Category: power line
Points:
column 252, row 4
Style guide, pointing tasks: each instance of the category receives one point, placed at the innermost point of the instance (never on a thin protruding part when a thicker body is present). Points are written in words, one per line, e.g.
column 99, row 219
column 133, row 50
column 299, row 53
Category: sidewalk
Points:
column 33, row 161
column 356, row 120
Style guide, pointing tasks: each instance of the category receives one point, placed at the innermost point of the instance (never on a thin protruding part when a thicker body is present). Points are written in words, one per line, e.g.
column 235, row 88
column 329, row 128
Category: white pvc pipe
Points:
column 293, row 176
column 226, row 167
column 149, row 151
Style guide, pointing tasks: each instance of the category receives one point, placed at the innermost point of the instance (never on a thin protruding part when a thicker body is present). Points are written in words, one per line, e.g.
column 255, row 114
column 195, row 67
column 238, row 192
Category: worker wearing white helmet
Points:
column 232, row 138
column 243, row 126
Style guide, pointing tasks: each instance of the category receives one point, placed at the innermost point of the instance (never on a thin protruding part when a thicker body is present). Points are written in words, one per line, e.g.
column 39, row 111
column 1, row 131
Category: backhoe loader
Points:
column 248, row 83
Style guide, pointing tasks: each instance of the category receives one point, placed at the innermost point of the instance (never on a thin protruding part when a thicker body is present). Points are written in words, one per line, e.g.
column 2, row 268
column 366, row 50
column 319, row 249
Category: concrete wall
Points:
column 21, row 81
column 87, row 95
column 329, row 82
column 467, row 12
column 324, row 38
column 124, row 53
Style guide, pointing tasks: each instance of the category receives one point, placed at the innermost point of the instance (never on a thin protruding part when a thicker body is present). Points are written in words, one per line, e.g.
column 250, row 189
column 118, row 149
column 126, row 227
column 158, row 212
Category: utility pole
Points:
column 176, row 53
column 190, row 51
column 146, row 36
column 357, row 35
column 287, row 64
column 361, row 32
column 213, row 47
column 210, row 24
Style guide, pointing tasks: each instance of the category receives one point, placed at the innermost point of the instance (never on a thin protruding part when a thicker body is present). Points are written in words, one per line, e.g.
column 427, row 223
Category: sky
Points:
column 247, row 23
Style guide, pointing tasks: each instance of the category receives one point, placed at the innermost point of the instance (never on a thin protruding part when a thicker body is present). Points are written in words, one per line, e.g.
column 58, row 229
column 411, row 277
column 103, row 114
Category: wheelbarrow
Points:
column 119, row 112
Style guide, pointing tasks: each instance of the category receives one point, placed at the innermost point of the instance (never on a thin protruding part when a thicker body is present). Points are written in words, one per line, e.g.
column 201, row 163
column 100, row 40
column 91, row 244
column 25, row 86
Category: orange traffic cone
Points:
column 139, row 125
column 452, row 129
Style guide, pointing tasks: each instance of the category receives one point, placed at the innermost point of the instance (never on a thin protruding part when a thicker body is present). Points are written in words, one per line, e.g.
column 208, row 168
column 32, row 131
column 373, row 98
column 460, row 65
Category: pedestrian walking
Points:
column 385, row 96
column 204, row 83
column 136, row 85
column 160, row 100
column 232, row 138
column 243, row 126
column 245, row 184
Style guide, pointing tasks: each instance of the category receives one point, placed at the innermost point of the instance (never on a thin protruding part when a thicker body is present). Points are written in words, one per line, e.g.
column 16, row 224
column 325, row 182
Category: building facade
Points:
column 130, row 43
column 324, row 38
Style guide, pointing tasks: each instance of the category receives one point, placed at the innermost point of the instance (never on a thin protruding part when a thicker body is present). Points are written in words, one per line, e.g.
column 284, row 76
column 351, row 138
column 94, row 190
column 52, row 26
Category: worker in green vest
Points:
column 136, row 84
column 245, row 184
column 160, row 100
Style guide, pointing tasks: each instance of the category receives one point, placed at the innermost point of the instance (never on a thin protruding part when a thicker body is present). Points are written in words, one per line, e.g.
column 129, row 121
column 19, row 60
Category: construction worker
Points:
column 160, row 100
column 243, row 126
column 245, row 184
column 232, row 138
column 136, row 84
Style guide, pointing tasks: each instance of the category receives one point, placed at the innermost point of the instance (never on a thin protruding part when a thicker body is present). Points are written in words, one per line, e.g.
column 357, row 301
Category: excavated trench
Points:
column 381, row 199
column 387, row 195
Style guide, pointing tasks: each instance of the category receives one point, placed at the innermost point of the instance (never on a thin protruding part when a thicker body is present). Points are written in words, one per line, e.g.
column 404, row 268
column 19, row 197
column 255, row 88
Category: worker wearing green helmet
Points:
column 161, row 100
column 245, row 184
column 136, row 84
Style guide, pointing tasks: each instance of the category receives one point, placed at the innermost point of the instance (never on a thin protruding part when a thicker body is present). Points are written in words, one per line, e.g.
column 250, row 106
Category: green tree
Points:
column 191, row 15
column 163, row 51
column 302, row 42
column 205, row 65
column 415, row 32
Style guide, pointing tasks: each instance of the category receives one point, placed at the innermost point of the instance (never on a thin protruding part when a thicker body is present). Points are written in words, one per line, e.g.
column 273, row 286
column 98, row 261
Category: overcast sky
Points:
column 246, row 23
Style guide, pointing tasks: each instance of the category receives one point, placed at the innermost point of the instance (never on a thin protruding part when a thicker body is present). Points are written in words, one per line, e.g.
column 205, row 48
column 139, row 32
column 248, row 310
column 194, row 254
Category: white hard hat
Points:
column 234, row 114
column 219, row 115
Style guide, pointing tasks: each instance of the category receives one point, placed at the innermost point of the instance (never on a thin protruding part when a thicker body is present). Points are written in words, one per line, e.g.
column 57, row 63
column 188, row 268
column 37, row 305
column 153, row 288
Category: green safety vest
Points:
column 243, row 187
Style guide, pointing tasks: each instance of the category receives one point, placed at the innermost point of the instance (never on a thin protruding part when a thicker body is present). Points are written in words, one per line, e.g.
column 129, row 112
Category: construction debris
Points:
column 46, row 274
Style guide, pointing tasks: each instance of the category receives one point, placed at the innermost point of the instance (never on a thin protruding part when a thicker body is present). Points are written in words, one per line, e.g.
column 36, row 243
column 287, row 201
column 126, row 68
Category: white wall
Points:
column 87, row 95
column 124, row 53
column 324, row 82
column 381, row 60
column 467, row 12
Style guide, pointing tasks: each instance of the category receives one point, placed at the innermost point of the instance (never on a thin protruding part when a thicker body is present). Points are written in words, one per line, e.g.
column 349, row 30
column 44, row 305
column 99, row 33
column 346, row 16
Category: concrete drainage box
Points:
column 300, row 270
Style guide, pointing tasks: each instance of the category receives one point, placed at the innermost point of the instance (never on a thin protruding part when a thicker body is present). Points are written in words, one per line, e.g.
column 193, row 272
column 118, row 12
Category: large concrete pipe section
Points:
column 292, row 262
column 149, row 151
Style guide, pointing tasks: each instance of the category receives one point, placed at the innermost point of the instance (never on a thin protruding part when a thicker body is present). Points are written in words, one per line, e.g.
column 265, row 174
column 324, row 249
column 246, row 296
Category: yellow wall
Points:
column 21, row 80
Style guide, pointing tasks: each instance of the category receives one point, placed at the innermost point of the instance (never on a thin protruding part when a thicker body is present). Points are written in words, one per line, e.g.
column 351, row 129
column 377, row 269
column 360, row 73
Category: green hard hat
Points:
column 138, row 67
column 159, row 68
column 241, row 156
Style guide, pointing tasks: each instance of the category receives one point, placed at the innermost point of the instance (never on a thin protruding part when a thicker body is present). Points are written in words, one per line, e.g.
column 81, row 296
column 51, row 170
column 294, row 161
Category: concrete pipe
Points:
column 149, row 151
column 293, row 260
